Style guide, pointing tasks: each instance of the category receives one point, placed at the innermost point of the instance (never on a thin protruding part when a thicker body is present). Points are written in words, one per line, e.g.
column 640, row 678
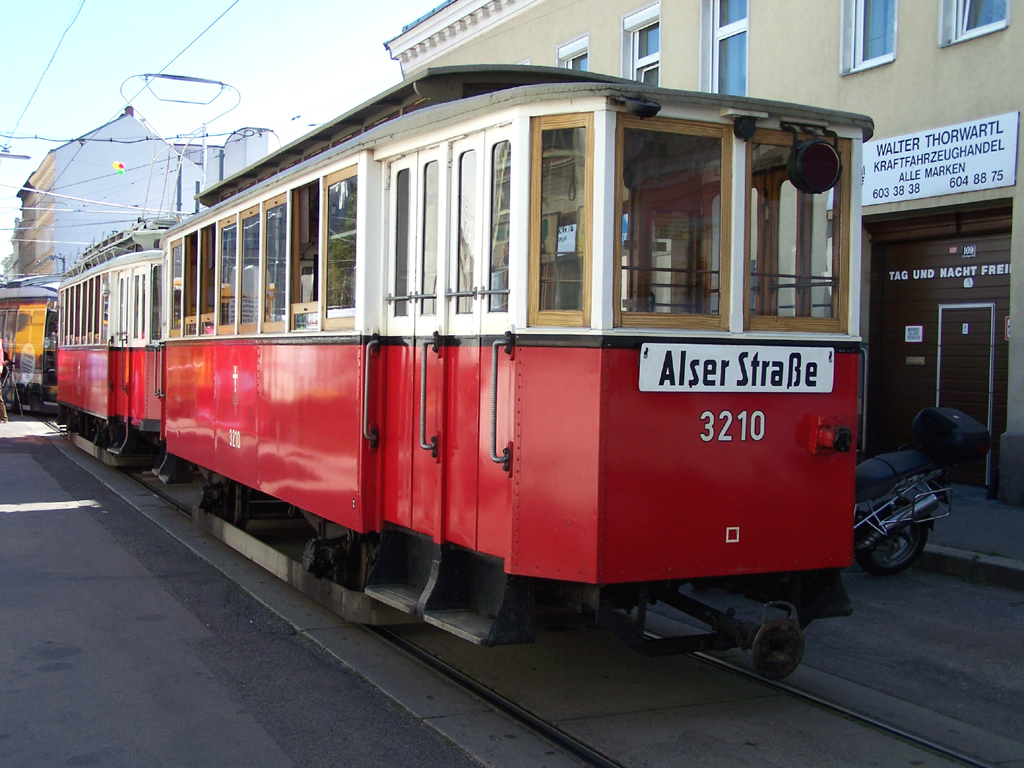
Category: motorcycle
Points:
column 901, row 494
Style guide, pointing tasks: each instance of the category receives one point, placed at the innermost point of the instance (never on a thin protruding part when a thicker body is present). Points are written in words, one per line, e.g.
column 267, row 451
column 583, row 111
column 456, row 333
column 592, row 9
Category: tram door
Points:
column 476, row 489
column 120, row 360
column 411, row 430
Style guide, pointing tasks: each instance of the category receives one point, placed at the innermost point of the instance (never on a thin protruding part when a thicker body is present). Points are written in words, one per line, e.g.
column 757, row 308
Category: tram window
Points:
column 105, row 309
column 138, row 327
column 467, row 232
column 795, row 268
column 177, row 278
column 403, row 244
column 156, row 303
column 670, row 193
column 250, row 290
column 342, row 196
column 228, row 275
column 207, row 279
column 305, row 257
column 428, row 267
column 78, row 314
column 87, row 313
column 275, row 275
column 97, row 299
column 501, row 189
column 559, row 239
column 191, row 285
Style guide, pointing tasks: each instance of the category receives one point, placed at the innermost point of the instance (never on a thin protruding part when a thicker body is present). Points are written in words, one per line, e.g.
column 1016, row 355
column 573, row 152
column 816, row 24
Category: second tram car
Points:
column 111, row 364
column 509, row 335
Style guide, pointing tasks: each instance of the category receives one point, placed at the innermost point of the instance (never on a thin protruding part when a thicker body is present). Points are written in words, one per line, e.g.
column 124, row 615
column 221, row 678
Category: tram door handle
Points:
column 369, row 433
column 505, row 457
column 432, row 445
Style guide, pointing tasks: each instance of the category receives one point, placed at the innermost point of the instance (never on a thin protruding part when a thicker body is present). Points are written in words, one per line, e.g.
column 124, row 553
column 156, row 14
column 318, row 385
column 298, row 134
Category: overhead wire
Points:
column 67, row 29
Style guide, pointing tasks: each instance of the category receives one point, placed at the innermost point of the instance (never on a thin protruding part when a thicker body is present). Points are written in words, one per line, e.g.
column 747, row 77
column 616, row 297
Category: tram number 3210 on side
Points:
column 749, row 423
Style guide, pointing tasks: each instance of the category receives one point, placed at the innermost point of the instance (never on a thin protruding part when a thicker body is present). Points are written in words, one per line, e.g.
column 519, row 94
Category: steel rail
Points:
column 851, row 714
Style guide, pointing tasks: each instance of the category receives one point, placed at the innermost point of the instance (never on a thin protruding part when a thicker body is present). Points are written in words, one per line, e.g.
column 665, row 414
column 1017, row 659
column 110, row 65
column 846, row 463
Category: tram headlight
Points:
column 814, row 165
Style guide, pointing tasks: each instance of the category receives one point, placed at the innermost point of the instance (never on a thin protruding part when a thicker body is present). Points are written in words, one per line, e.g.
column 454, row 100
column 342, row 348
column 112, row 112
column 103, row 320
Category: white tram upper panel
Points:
column 551, row 203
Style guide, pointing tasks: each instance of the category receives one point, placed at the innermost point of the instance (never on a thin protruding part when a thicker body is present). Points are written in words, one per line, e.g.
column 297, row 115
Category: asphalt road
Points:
column 119, row 647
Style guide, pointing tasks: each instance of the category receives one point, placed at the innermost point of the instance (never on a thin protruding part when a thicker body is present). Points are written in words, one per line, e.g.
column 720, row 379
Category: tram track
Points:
column 586, row 753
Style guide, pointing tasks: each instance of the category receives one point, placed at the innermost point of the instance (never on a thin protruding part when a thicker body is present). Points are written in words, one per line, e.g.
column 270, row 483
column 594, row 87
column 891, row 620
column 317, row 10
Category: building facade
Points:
column 110, row 179
column 943, row 261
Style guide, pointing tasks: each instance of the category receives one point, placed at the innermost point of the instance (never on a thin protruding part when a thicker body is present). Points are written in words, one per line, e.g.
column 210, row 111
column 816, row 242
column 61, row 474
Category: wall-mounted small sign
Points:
column 914, row 334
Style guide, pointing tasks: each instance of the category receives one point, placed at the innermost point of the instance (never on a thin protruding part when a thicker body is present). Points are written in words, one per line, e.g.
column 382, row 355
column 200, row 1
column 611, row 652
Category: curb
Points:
column 973, row 566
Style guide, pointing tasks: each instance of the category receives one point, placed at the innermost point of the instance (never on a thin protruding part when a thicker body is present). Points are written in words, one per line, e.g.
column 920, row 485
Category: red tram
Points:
column 508, row 335
column 110, row 365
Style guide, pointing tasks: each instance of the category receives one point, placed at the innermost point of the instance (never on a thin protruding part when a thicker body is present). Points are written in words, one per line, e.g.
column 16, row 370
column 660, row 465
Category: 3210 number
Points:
column 749, row 423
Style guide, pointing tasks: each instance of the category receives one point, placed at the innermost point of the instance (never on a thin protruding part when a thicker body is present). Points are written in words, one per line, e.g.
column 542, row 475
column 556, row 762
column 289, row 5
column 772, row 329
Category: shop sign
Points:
column 966, row 157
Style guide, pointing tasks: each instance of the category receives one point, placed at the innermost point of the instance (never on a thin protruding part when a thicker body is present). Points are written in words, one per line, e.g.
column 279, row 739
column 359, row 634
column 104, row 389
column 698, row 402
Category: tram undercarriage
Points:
column 469, row 595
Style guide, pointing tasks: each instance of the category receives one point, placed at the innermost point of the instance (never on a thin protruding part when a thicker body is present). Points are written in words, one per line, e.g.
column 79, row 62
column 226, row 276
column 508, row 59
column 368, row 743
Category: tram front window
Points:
column 794, row 258
column 670, row 196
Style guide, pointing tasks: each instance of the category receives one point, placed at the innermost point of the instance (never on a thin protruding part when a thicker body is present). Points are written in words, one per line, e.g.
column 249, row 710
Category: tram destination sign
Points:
column 979, row 154
column 734, row 368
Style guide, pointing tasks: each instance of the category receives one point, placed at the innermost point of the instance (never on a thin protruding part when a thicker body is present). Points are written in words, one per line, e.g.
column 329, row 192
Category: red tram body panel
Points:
column 84, row 381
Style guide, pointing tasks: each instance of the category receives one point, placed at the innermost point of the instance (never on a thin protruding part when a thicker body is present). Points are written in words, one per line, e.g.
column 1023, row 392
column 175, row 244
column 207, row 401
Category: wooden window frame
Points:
column 560, row 317
column 223, row 224
column 663, row 320
column 274, row 326
column 297, row 308
column 175, row 332
column 189, row 276
column 207, row 247
column 248, row 213
column 839, row 323
column 348, row 322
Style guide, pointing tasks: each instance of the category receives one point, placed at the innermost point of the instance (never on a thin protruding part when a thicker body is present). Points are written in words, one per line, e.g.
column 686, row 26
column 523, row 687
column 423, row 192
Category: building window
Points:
column 869, row 33
column 642, row 45
column 575, row 55
column 729, row 47
column 967, row 19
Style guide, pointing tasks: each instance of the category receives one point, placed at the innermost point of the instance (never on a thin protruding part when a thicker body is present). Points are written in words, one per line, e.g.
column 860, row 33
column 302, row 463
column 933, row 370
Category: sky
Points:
column 69, row 66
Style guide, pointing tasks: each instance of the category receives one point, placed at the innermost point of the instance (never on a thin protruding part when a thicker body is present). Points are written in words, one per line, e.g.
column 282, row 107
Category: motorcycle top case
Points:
column 950, row 436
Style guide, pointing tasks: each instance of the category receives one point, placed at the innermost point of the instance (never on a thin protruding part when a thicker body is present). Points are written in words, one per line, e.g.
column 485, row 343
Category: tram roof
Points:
column 31, row 290
column 440, row 85
column 85, row 269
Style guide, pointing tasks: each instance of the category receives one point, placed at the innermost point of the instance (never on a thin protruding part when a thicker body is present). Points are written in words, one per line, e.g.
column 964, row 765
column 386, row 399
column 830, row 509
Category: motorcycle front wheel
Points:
column 895, row 553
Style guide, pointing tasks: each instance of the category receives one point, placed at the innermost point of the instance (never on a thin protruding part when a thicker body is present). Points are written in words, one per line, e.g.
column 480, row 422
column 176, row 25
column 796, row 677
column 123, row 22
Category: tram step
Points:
column 466, row 623
column 404, row 597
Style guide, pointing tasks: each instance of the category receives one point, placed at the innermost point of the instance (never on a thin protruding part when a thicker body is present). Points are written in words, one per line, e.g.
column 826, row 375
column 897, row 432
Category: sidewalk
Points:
column 981, row 540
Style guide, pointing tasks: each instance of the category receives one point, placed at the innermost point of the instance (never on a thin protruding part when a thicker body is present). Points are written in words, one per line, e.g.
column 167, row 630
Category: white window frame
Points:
column 720, row 33
column 953, row 22
column 852, row 37
column 632, row 25
column 572, row 50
